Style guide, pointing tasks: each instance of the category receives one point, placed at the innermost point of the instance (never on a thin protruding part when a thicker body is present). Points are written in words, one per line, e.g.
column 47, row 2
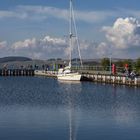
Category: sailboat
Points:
column 66, row 72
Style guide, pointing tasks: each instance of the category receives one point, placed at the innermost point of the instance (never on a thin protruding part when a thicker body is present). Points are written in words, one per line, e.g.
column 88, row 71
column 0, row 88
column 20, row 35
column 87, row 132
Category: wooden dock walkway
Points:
column 16, row 72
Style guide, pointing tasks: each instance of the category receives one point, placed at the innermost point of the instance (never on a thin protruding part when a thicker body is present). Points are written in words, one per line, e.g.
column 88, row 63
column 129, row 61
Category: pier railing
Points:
column 97, row 69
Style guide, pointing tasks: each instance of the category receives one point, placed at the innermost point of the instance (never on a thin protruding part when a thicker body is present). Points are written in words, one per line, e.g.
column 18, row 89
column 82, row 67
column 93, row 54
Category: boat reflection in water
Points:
column 72, row 117
column 72, row 135
column 71, row 97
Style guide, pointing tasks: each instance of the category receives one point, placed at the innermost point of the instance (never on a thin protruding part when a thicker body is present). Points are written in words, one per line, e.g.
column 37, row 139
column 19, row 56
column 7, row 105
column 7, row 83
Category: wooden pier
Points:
column 16, row 72
column 112, row 79
column 102, row 78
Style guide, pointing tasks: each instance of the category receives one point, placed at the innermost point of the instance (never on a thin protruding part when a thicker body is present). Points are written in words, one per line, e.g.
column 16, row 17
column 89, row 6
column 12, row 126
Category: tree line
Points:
column 133, row 65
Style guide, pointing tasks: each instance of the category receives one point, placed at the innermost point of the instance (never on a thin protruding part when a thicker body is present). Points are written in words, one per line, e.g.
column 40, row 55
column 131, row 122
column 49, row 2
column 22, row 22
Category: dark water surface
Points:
column 38, row 108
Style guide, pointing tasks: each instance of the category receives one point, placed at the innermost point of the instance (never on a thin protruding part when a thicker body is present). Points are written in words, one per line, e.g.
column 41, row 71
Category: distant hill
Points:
column 14, row 58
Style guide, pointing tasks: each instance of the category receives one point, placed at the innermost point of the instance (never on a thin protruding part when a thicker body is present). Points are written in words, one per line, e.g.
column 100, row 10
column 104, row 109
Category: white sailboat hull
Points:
column 69, row 77
column 40, row 72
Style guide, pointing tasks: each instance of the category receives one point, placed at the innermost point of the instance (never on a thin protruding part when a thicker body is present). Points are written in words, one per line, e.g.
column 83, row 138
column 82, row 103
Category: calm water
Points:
column 38, row 108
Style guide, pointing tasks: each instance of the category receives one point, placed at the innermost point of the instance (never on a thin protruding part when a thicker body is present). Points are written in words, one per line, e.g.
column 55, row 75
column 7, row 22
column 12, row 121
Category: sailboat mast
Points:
column 70, row 32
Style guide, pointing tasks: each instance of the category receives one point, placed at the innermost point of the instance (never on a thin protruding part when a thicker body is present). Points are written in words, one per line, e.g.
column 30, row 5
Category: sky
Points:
column 38, row 28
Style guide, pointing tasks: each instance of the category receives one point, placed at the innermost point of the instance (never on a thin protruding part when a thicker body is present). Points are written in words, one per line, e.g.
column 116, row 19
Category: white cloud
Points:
column 32, row 12
column 4, row 49
column 3, row 44
column 7, row 14
column 103, row 49
column 123, row 41
column 50, row 47
column 40, row 48
column 44, row 12
column 94, row 16
column 124, row 34
column 13, row 14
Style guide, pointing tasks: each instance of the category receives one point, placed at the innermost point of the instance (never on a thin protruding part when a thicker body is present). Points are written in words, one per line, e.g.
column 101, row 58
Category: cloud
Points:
column 3, row 44
column 44, row 12
column 93, row 16
column 124, row 34
column 7, row 14
column 32, row 12
column 51, row 47
column 123, row 41
column 103, row 49
column 4, row 49
column 40, row 48
column 13, row 14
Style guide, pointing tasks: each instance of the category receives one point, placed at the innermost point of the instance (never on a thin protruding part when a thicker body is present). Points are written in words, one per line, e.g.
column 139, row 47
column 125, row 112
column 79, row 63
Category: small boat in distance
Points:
column 66, row 73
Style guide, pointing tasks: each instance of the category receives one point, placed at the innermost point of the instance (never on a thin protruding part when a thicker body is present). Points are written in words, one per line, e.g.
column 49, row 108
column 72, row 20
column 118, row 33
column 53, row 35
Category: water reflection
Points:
column 72, row 134
column 43, row 108
column 69, row 82
column 72, row 89
column 125, row 106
